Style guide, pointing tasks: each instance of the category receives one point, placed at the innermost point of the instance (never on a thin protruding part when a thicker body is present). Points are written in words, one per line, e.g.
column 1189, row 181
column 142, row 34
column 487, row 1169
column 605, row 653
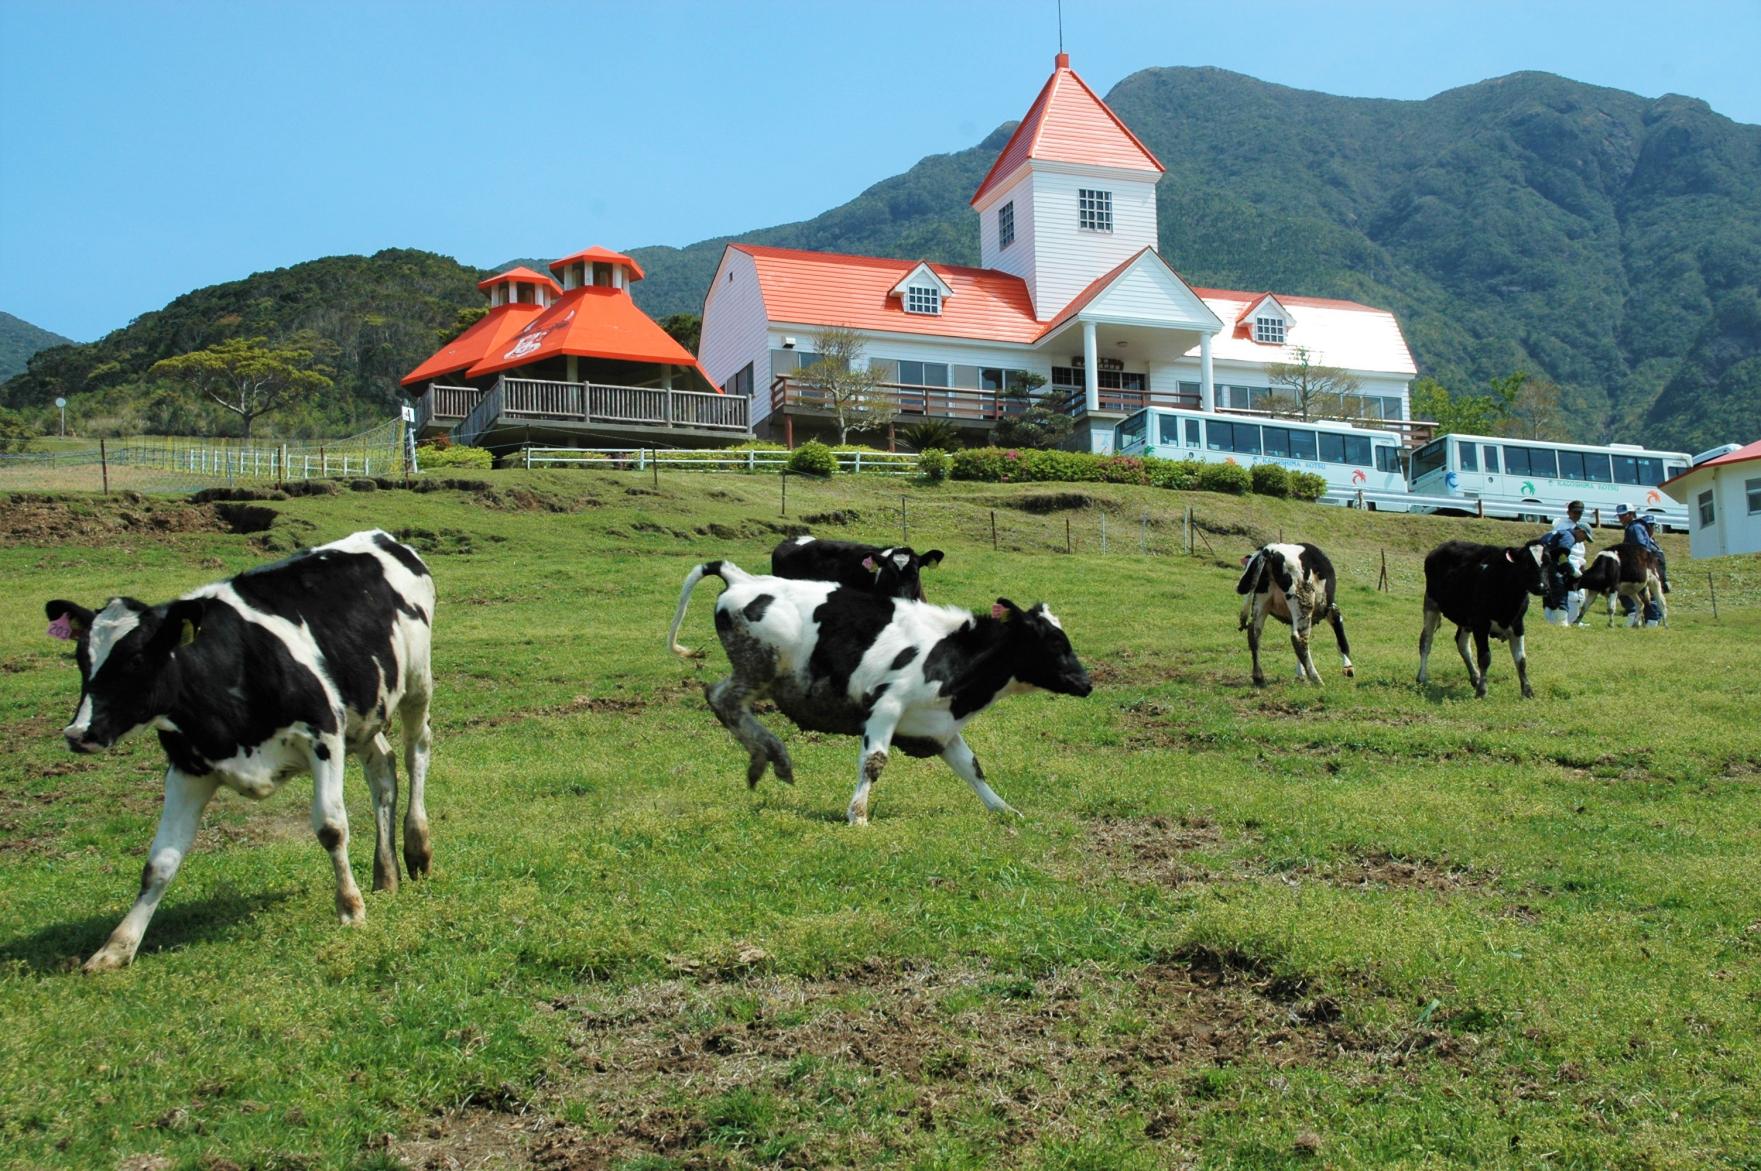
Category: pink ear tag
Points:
column 61, row 628
column 998, row 611
column 868, row 564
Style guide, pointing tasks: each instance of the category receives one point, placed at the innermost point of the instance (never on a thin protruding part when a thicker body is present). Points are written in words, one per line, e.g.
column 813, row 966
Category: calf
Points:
column 888, row 573
column 1625, row 571
column 250, row 681
column 896, row 672
column 1484, row 590
column 1294, row 584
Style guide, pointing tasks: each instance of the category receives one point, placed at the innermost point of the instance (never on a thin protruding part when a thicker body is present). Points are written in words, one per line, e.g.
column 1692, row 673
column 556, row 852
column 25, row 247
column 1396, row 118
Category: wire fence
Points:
column 171, row 464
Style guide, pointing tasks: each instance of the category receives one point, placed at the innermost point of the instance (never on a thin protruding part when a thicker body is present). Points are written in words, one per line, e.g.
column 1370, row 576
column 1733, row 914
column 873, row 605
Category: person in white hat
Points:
column 1560, row 570
column 1579, row 556
column 1639, row 533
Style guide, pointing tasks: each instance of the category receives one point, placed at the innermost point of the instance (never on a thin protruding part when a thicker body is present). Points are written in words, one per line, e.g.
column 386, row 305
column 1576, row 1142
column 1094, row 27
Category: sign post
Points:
column 61, row 405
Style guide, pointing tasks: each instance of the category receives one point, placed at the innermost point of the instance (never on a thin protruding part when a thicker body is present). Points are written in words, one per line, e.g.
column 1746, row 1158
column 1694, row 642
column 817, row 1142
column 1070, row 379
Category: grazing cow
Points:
column 1484, row 590
column 896, row 672
column 888, row 573
column 1625, row 571
column 275, row 672
column 1294, row 584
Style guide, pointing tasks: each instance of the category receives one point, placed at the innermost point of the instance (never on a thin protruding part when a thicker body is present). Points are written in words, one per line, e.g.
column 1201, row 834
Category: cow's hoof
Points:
column 418, row 863
column 350, row 911
column 1259, row 681
column 1528, row 693
column 105, row 961
column 755, row 771
column 1348, row 672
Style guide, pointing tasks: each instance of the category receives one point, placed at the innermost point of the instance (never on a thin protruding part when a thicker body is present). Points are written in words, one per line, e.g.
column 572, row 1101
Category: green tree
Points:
column 463, row 320
column 1027, row 420
column 1306, row 386
column 247, row 376
column 937, row 433
column 685, row 328
column 14, row 432
column 845, row 385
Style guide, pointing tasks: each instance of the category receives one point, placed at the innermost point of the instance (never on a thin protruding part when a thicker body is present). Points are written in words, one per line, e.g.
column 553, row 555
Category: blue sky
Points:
column 148, row 148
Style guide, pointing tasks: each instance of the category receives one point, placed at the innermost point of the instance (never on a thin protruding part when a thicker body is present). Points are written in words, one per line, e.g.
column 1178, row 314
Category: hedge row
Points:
column 999, row 465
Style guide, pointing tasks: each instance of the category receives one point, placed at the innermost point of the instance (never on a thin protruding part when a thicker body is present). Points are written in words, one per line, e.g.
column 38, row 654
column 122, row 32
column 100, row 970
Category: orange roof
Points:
column 589, row 322
column 1067, row 123
column 832, row 289
column 601, row 254
column 520, row 273
column 493, row 330
column 1741, row 455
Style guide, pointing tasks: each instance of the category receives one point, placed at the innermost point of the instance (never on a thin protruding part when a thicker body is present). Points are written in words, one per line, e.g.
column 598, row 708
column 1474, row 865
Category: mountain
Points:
column 19, row 339
column 1607, row 241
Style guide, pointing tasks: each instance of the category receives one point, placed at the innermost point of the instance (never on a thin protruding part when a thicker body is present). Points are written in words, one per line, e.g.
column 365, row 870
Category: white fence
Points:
column 623, row 458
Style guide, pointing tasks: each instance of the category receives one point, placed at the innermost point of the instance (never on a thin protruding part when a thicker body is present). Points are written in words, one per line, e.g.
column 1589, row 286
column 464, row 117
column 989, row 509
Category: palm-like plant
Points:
column 938, row 433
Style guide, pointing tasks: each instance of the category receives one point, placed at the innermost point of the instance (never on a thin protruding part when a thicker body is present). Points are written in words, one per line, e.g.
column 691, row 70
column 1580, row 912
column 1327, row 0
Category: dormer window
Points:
column 923, row 299
column 1006, row 224
column 1094, row 210
column 1268, row 329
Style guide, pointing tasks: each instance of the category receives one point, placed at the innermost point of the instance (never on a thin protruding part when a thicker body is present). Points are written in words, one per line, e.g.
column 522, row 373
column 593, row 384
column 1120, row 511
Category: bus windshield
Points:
column 1428, row 458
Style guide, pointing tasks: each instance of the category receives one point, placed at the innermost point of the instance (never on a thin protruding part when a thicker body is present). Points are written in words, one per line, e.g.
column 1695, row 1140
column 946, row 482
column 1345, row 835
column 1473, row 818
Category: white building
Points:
column 1723, row 496
column 1072, row 289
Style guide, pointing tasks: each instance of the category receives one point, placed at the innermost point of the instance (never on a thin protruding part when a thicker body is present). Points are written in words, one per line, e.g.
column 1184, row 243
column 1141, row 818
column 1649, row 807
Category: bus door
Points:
column 1489, row 455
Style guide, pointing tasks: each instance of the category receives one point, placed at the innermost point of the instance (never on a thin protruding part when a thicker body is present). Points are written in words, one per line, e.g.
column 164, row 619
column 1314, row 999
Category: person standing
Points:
column 1639, row 533
column 1561, row 566
column 1579, row 556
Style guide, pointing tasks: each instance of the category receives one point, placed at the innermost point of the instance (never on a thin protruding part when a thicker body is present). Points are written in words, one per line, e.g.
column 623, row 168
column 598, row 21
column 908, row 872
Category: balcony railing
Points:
column 453, row 402
column 591, row 402
column 940, row 402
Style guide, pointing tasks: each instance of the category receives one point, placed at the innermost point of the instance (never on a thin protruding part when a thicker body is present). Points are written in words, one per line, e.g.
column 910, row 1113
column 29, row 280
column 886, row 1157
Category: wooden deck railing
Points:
column 592, row 402
column 940, row 402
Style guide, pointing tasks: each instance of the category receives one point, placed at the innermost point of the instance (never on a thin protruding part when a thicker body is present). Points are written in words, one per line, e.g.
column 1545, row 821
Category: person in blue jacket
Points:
column 1559, row 567
column 1638, row 532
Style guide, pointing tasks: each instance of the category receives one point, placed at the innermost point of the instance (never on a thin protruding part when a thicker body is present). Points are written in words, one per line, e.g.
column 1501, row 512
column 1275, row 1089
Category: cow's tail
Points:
column 1250, row 578
column 726, row 570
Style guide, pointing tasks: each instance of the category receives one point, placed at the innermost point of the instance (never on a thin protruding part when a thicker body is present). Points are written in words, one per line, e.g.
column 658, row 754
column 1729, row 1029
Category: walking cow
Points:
column 1625, row 571
column 1484, row 590
column 256, row 679
column 1294, row 584
column 894, row 671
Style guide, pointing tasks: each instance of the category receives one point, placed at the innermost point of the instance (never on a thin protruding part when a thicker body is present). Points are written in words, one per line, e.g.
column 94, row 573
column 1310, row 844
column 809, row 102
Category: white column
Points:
column 1091, row 379
column 1207, row 393
column 666, row 377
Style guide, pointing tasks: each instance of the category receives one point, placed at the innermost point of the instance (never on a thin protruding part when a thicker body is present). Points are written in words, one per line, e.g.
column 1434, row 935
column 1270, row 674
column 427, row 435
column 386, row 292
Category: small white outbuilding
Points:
column 1723, row 496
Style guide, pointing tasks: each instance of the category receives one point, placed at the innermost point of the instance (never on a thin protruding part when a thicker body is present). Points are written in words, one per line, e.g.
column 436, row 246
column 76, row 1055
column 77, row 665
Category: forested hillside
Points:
column 20, row 339
column 1609, row 242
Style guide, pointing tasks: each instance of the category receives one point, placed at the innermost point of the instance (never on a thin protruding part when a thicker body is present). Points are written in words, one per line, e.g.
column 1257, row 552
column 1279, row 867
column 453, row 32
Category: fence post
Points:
column 281, row 475
column 993, row 530
column 1067, row 545
column 904, row 524
column 1103, row 532
column 323, row 462
column 783, row 476
column 1480, row 508
column 1382, row 582
column 527, row 452
column 1186, row 531
column 656, row 471
column 104, row 465
column 1713, row 590
column 858, row 465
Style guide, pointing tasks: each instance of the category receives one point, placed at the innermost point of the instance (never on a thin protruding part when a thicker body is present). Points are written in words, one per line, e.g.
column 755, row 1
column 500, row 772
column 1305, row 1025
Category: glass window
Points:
column 1277, row 441
column 1387, row 458
column 1753, row 488
column 1357, row 449
column 1302, row 444
column 1131, row 431
column 1006, row 224
column 1192, row 434
column 1596, row 469
column 1066, row 376
column 1491, row 454
column 1516, row 461
column 1332, row 447
column 741, row 382
column 1428, row 458
column 923, row 373
column 1466, row 453
column 1094, row 210
column 1651, row 471
column 1571, row 465
column 1168, row 429
column 990, row 378
column 1706, row 510
column 1268, row 329
column 1241, row 437
column 923, row 299
column 1542, row 462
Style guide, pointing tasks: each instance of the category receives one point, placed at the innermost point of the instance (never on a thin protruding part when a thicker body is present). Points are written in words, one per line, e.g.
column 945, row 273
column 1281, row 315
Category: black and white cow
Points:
column 1626, row 571
column 1294, row 584
column 896, row 672
column 892, row 572
column 276, row 672
column 1484, row 590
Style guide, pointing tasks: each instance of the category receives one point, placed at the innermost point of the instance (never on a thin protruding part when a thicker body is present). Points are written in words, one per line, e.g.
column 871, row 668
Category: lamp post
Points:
column 61, row 405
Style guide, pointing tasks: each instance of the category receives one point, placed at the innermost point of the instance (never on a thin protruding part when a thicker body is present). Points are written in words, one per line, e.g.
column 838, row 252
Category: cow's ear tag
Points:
column 61, row 628
column 868, row 564
column 188, row 634
column 999, row 612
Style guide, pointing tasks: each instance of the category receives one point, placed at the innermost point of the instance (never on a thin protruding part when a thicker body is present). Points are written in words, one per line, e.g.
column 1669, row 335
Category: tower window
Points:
column 923, row 299
column 1006, row 224
column 1269, row 329
column 1094, row 210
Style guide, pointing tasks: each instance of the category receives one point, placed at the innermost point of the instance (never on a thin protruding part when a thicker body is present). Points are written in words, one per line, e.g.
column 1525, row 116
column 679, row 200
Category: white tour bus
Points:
column 1550, row 475
column 1347, row 457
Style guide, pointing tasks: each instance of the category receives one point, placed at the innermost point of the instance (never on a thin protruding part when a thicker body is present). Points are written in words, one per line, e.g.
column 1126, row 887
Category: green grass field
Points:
column 1371, row 924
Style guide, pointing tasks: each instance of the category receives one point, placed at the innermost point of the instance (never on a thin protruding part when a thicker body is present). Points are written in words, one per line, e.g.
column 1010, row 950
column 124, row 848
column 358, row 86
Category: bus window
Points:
column 1357, row 449
column 1277, row 441
column 1192, row 434
column 1571, row 465
column 1516, row 461
column 1131, row 431
column 1465, row 452
column 1428, row 458
column 1638, row 469
column 1332, row 447
column 1302, row 444
column 1242, row 437
column 1596, row 468
column 1491, row 453
column 1542, row 462
column 1168, row 429
column 1671, row 471
column 1387, row 458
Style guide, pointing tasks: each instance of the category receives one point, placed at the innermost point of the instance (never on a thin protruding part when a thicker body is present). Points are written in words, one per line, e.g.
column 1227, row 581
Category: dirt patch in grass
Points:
column 1383, row 871
column 1155, row 850
column 47, row 520
column 581, row 703
column 876, row 1064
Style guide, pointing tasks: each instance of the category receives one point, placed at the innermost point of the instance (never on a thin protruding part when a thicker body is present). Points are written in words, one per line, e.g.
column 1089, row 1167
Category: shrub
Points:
column 1307, row 485
column 1231, row 478
column 1179, row 474
column 932, row 433
column 934, row 464
column 1271, row 479
column 813, row 459
column 456, row 455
